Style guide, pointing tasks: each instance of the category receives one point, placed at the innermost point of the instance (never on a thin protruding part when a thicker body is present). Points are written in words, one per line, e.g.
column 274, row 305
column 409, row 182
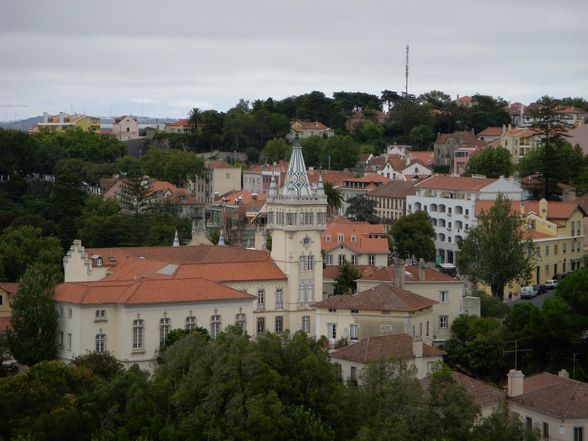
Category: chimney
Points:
column 417, row 347
column 522, row 208
column 515, row 383
column 543, row 208
column 563, row 374
column 45, row 117
column 61, row 117
column 399, row 273
column 422, row 269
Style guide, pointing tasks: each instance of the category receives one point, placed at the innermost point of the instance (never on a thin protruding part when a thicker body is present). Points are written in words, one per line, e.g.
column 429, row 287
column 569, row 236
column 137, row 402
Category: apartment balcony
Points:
column 261, row 307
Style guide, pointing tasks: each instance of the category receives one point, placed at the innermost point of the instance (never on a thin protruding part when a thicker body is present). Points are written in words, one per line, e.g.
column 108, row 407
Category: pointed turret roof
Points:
column 297, row 183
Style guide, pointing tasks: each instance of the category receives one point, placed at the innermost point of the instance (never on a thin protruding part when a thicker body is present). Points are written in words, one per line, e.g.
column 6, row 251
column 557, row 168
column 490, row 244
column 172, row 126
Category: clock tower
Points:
column 296, row 217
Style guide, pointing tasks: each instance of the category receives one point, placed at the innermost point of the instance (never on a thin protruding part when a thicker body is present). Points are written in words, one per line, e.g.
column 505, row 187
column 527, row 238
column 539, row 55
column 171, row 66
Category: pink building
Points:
column 125, row 128
column 461, row 158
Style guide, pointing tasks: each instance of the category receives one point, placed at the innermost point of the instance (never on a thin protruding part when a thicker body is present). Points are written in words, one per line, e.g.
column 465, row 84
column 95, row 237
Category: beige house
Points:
column 7, row 290
column 306, row 129
column 351, row 360
column 554, row 404
column 391, row 199
column 219, row 178
column 382, row 310
column 447, row 292
column 125, row 128
column 447, row 143
column 358, row 243
column 520, row 141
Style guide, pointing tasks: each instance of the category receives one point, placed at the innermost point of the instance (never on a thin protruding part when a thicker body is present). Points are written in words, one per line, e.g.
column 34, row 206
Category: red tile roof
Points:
column 380, row 298
column 361, row 231
column 370, row 177
column 555, row 209
column 241, row 198
column 309, row 125
column 9, row 287
column 461, row 138
column 180, row 123
column 163, row 186
column 411, row 275
column 482, row 393
column 218, row 163
column 235, row 271
column 394, row 189
column 334, row 176
column 383, row 347
column 146, row 291
column 553, row 395
column 448, row 182
column 425, row 157
column 491, row 131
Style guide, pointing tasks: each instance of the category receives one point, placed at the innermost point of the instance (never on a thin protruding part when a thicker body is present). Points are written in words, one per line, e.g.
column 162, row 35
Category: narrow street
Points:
column 537, row 300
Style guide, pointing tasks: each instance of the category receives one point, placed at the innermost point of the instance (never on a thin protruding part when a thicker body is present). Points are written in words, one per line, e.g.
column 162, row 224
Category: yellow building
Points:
column 6, row 291
column 62, row 122
column 520, row 141
column 556, row 229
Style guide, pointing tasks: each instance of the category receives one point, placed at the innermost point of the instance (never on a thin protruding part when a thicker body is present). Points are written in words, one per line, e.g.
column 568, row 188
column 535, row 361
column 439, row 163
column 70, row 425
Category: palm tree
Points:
column 195, row 118
column 334, row 198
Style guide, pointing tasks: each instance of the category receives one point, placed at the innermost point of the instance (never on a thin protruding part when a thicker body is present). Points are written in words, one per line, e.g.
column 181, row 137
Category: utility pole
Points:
column 406, row 73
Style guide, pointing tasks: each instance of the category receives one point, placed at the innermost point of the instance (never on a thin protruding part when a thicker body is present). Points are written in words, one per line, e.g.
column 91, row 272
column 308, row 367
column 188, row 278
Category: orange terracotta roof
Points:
column 356, row 236
column 383, row 347
column 163, row 186
column 183, row 122
column 491, row 131
column 536, row 235
column 281, row 166
column 332, row 271
column 146, row 291
column 482, row 393
column 425, row 157
column 397, row 162
column 448, row 182
column 394, row 189
column 522, row 132
column 9, row 287
column 241, row 198
column 218, row 163
column 553, row 395
column 235, row 271
column 463, row 137
column 370, row 177
column 380, row 298
column 336, row 177
column 555, row 209
column 411, row 275
column 310, row 125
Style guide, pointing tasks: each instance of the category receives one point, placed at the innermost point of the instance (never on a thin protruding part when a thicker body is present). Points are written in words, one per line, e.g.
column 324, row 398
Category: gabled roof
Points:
column 183, row 122
column 336, row 177
column 380, row 298
column 555, row 209
column 482, row 393
column 242, row 198
column 218, row 163
column 553, row 395
column 9, row 287
column 491, row 131
column 411, row 275
column 464, row 137
column 448, row 182
column 309, row 125
column 146, row 291
column 394, row 189
column 383, row 347
column 426, row 157
column 356, row 236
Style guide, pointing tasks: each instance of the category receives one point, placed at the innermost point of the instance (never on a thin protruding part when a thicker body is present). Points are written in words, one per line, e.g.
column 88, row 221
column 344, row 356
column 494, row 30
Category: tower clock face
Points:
column 306, row 241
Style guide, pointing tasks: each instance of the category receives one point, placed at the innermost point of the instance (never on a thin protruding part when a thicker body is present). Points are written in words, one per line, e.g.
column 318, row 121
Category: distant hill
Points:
column 23, row 124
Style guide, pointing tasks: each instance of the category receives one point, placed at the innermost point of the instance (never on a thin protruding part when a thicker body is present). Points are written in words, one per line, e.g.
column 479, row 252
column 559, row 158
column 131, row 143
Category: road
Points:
column 537, row 300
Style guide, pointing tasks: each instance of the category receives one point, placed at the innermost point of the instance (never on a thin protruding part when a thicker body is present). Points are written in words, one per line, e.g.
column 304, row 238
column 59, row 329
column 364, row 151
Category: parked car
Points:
column 541, row 289
column 528, row 292
column 551, row 284
column 448, row 268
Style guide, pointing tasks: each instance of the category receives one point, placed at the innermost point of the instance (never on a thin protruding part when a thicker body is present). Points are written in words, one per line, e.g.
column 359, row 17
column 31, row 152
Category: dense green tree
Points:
column 175, row 166
column 572, row 289
column 32, row 337
column 24, row 246
column 486, row 112
column 252, row 155
column 421, row 137
column 491, row 306
column 195, row 119
column 18, row 153
column 362, row 209
column 312, row 150
column 276, row 150
column 491, row 162
column 413, row 237
column 103, row 364
column 346, row 280
column 435, row 98
column 503, row 425
column 339, row 152
column 494, row 251
column 334, row 198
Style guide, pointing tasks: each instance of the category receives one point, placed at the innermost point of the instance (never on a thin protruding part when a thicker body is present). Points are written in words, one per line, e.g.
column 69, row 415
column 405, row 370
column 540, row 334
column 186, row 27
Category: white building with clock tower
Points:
column 296, row 217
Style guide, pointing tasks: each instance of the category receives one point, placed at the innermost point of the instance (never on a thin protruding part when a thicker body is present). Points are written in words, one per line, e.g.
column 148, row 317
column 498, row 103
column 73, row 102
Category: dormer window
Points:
column 340, row 238
column 328, row 238
column 353, row 238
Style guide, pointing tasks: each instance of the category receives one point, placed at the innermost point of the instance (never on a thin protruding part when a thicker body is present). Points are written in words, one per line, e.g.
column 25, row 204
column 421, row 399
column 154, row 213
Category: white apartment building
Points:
column 450, row 201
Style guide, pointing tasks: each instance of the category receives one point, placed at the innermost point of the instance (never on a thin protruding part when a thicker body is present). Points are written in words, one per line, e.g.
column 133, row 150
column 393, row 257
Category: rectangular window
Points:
column 545, row 430
column 261, row 299
column 260, row 325
column 309, row 292
column 69, row 313
column 547, row 250
column 353, row 373
column 578, row 434
column 164, row 328
column 371, row 259
column 353, row 238
column 443, row 295
column 215, row 325
column 69, row 341
column 329, row 259
column 301, row 263
column 61, row 340
column 100, row 315
column 100, row 342
column 279, row 324
column 60, row 310
column 354, row 332
column 354, row 259
column 279, row 298
column 137, row 334
column 341, row 259
column 190, row 323
column 301, row 292
column 564, row 247
column 290, row 219
column 1, row 299
column 555, row 249
column 332, row 331
column 443, row 322
column 340, row 238
column 241, row 320
column 529, row 423
column 338, row 372
column 309, row 263
column 427, row 329
column 306, row 324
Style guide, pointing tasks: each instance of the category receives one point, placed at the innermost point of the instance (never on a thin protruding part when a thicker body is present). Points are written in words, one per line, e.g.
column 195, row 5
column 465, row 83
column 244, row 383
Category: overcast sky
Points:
column 162, row 58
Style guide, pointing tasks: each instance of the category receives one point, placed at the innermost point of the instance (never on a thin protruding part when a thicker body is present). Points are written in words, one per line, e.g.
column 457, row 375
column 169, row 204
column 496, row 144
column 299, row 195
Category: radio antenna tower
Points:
column 406, row 73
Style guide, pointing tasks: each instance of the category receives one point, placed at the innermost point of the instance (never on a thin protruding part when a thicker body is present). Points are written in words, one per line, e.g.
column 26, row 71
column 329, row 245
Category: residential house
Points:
column 579, row 136
column 125, row 128
column 391, row 199
column 403, row 168
column 179, row 126
column 7, row 290
column 461, row 157
column 358, row 243
column 556, row 230
column 490, row 134
column 63, row 121
column 447, row 143
column 306, row 129
column 257, row 178
column 351, row 360
column 360, row 186
column 555, row 405
column 450, row 201
column 420, row 279
column 382, row 310
column 520, row 141
column 219, row 178
column 465, row 101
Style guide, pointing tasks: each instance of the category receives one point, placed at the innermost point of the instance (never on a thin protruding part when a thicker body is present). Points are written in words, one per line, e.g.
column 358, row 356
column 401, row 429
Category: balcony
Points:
column 261, row 307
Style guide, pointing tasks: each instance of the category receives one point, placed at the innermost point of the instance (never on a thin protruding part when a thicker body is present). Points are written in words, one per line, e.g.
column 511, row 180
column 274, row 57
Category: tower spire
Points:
column 297, row 183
